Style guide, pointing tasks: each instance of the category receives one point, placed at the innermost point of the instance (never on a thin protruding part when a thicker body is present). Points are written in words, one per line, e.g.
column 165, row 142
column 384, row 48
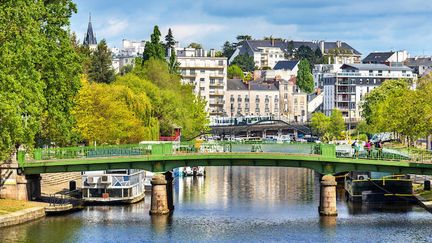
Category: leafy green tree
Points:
column 248, row 77
column 228, row 49
column 245, row 62
column 318, row 56
column 195, row 45
column 304, row 77
column 235, row 71
column 154, row 48
column 337, row 124
column 61, row 69
column 320, row 124
column 101, row 70
column 290, row 49
column 379, row 94
column 38, row 73
column 126, row 69
column 219, row 54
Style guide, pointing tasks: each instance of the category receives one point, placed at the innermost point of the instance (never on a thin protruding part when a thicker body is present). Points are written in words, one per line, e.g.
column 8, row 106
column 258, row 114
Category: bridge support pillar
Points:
column 169, row 189
column 264, row 133
column 159, row 199
column 15, row 185
column 327, row 206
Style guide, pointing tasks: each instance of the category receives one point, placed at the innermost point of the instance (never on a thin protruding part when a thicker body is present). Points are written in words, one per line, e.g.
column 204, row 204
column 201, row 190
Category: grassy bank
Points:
column 9, row 206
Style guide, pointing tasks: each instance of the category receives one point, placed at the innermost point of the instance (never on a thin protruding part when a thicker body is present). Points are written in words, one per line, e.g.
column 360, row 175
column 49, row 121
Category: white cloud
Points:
column 186, row 33
column 113, row 27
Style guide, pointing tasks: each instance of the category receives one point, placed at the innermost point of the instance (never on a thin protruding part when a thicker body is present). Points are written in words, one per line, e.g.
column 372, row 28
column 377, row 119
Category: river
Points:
column 238, row 204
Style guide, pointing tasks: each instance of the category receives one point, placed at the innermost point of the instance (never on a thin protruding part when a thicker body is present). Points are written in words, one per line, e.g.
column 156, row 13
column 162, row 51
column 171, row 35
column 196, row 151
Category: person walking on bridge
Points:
column 368, row 147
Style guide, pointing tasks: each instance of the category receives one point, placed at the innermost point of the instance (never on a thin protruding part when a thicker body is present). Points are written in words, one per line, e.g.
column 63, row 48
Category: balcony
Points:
column 216, row 85
column 216, row 102
column 216, row 93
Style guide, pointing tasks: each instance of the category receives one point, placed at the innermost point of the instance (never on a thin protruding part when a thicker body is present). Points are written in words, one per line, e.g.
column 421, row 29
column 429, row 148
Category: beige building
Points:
column 207, row 74
column 279, row 99
column 256, row 98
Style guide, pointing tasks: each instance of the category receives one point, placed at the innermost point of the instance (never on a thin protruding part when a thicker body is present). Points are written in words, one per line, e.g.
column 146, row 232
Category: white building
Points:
column 126, row 54
column 387, row 58
column 346, row 89
column 267, row 53
column 207, row 74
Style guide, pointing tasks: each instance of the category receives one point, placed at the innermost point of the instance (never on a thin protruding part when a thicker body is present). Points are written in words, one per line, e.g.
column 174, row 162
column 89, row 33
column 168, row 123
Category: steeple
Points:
column 89, row 38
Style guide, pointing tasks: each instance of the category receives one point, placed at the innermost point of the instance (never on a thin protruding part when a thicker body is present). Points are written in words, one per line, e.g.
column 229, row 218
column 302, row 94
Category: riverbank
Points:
column 13, row 212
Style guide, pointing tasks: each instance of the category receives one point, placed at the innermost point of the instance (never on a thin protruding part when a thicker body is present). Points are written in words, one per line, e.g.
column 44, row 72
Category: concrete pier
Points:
column 327, row 206
column 15, row 185
column 159, row 199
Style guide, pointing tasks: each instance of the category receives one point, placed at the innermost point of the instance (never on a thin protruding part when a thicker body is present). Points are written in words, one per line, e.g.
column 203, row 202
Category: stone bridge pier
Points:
column 15, row 185
column 327, row 205
column 162, row 194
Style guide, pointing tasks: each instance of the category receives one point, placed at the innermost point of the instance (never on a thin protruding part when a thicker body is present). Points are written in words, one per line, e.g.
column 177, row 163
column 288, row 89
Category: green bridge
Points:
column 161, row 157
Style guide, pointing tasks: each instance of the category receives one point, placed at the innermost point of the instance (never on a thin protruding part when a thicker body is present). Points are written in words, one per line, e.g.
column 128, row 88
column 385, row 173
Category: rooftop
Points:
column 285, row 65
column 378, row 57
column 375, row 67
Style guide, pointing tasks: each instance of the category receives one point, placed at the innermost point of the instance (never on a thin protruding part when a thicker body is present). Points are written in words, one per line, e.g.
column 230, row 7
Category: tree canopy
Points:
column 245, row 62
column 304, row 77
column 235, row 71
column 39, row 72
column 100, row 69
column 195, row 45
column 154, row 48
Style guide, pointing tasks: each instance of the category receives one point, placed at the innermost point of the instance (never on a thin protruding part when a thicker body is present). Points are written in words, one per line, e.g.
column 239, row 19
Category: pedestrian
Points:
column 355, row 145
column 380, row 149
column 368, row 147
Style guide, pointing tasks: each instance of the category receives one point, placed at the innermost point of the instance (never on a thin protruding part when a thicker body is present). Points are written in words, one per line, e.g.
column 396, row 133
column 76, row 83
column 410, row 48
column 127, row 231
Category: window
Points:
column 239, row 99
column 285, row 86
column 286, row 96
column 232, row 98
column 212, row 81
column 257, row 99
column 202, row 79
column 221, row 63
column 202, row 88
column 202, row 71
column 247, row 98
column 192, row 72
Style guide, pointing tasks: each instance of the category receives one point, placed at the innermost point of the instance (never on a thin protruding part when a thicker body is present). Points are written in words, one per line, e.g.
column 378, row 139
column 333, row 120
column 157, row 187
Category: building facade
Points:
column 207, row 75
column 267, row 53
column 346, row 89
column 126, row 54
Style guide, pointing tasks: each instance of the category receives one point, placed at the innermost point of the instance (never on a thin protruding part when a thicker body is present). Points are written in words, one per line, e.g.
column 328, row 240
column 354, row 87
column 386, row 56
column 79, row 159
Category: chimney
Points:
column 338, row 44
column 212, row 53
column 272, row 41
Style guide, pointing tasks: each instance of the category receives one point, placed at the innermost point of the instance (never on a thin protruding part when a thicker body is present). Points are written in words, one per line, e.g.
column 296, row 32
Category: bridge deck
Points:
column 164, row 162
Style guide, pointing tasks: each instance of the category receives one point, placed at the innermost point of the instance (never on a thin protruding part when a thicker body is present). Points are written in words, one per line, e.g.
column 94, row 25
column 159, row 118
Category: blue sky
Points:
column 367, row 25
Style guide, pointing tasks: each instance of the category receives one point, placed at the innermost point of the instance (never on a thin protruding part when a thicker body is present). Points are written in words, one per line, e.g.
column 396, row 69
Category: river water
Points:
column 238, row 204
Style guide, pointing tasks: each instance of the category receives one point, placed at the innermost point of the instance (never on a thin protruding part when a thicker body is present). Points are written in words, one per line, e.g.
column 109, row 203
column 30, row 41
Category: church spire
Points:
column 90, row 38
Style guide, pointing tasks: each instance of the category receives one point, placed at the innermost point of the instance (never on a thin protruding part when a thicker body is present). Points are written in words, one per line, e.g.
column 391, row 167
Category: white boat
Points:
column 187, row 171
column 198, row 171
column 113, row 186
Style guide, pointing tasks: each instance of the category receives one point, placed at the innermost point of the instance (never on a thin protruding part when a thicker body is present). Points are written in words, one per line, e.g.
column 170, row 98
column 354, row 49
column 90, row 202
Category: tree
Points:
column 318, row 57
column 337, row 124
column 378, row 95
column 126, row 69
column 38, row 71
column 248, row 77
column 101, row 70
column 305, row 52
column 195, row 45
column 61, row 69
column 290, row 48
column 241, row 39
column 219, row 54
column 154, row 48
column 304, row 77
column 235, row 71
column 173, row 65
column 169, row 39
column 245, row 62
column 228, row 49
column 113, row 114
column 320, row 124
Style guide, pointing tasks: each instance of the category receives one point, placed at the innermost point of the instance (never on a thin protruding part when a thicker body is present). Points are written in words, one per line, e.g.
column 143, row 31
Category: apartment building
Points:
column 255, row 98
column 126, row 54
column 208, row 76
column 267, row 53
column 345, row 89
column 293, row 102
column 421, row 65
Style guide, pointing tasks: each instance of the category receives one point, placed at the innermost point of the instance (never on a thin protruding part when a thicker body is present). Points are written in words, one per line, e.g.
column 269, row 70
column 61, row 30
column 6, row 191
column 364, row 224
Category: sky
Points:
column 367, row 25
